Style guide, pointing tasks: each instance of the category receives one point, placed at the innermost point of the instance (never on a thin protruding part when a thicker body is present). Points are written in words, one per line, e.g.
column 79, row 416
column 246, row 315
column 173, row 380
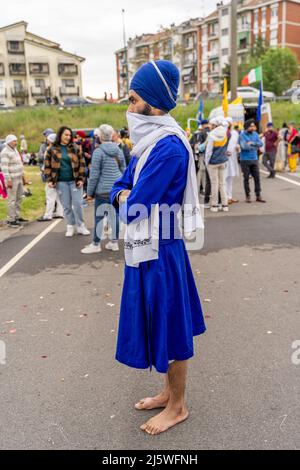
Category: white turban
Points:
column 51, row 138
column 217, row 121
column 10, row 138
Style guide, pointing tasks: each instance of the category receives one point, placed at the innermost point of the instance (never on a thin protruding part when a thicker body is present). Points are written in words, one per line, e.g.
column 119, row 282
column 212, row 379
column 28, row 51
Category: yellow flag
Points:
column 225, row 98
column 238, row 101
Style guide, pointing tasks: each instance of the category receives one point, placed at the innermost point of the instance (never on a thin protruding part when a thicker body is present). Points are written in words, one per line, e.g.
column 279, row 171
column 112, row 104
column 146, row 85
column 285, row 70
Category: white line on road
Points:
column 27, row 248
column 283, row 178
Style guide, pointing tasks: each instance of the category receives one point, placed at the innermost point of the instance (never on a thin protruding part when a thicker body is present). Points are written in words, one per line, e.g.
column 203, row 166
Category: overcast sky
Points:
column 94, row 30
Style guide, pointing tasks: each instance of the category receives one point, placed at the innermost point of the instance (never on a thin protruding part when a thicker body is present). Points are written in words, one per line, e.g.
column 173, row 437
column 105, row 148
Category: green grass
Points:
column 32, row 122
column 32, row 207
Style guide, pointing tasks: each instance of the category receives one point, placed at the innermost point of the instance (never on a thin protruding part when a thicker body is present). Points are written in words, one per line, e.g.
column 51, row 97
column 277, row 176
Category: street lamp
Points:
column 126, row 52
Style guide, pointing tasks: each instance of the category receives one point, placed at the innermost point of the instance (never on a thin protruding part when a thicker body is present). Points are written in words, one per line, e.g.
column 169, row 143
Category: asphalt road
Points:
column 61, row 387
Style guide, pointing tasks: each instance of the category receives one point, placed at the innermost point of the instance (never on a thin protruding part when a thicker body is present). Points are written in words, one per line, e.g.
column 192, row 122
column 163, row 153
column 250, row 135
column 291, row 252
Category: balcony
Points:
column 244, row 27
column 67, row 69
column 69, row 91
column 213, row 55
column 40, row 91
column 2, row 70
column 38, row 69
column 19, row 93
column 15, row 47
column 3, row 93
column 189, row 75
column 17, row 69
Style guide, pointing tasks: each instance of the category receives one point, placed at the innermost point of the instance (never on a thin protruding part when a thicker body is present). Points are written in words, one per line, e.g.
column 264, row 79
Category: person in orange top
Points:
column 293, row 139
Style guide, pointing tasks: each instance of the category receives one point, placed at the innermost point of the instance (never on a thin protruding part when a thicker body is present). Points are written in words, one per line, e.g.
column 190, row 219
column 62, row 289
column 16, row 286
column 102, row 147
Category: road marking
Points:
column 283, row 178
column 27, row 248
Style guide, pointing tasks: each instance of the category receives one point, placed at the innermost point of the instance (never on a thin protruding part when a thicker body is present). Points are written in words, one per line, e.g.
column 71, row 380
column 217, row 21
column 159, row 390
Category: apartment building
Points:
column 276, row 21
column 177, row 43
column 201, row 47
column 33, row 68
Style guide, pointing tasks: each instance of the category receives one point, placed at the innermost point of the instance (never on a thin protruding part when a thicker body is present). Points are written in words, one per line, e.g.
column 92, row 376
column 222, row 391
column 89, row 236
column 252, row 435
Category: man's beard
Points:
column 147, row 110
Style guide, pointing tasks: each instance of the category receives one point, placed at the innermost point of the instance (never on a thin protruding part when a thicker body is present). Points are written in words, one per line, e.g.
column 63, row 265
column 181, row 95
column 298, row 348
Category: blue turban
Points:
column 158, row 88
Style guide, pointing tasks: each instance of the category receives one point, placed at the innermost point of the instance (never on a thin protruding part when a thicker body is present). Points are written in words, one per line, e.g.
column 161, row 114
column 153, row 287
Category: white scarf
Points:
column 142, row 238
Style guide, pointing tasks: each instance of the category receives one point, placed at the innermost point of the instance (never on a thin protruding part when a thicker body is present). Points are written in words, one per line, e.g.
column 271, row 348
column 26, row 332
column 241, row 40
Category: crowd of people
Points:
column 222, row 151
column 78, row 168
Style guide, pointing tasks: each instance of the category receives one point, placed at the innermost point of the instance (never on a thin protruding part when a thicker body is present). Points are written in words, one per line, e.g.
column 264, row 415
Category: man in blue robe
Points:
column 160, row 307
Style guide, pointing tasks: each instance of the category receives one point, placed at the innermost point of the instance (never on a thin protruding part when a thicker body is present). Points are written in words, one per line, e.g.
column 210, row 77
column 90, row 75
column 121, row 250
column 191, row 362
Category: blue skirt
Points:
column 160, row 311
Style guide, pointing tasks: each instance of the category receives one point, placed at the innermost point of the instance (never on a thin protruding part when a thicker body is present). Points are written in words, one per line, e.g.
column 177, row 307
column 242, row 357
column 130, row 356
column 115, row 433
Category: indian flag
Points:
column 255, row 75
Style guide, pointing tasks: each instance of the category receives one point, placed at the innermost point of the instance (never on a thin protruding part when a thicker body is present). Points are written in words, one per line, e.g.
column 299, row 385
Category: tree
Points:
column 280, row 68
column 254, row 59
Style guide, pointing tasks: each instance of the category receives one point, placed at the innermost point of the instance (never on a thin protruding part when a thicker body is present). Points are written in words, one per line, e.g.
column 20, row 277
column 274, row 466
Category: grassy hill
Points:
column 31, row 122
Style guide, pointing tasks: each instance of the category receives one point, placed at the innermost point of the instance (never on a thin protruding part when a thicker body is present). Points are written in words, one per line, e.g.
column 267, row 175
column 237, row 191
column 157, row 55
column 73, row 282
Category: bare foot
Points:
column 165, row 420
column 160, row 401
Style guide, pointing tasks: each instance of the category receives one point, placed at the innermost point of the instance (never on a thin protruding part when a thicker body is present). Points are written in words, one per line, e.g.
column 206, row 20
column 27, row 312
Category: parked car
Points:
column 77, row 102
column 2, row 143
column 292, row 94
column 250, row 93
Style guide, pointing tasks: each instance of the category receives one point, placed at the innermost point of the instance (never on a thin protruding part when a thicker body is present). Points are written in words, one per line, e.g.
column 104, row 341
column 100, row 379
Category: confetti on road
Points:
column 44, row 357
column 13, row 331
column 112, row 416
column 61, row 309
column 112, row 331
column 41, row 297
column 246, row 298
column 207, row 300
column 270, row 332
column 10, row 321
column 43, row 319
column 110, row 305
column 207, row 316
column 245, row 264
column 68, row 334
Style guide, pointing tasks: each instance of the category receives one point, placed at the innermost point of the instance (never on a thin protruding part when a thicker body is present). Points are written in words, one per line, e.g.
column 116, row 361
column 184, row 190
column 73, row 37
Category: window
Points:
column 68, row 83
column 225, row 51
column 17, row 69
column 214, row 29
column 214, row 67
column 15, row 47
column 264, row 15
column 71, row 69
column 225, row 12
column 256, row 17
column 225, row 32
column 2, row 69
column 274, row 13
column 2, row 88
column 18, row 85
column 38, row 68
column 39, row 83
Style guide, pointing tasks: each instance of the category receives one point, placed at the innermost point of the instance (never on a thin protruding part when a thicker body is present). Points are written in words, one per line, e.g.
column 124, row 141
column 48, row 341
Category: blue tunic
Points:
column 160, row 307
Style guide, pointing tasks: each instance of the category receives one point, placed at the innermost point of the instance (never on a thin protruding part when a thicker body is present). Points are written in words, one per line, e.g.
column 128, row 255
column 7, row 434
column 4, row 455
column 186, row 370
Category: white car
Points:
column 250, row 93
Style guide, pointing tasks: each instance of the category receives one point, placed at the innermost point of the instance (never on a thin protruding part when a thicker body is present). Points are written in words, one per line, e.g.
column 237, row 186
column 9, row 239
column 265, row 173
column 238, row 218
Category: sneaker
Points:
column 82, row 230
column 57, row 217
column 21, row 220
column 207, row 206
column 90, row 249
column 14, row 224
column 113, row 246
column 214, row 209
column 70, row 230
column 225, row 208
column 248, row 199
column 42, row 219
